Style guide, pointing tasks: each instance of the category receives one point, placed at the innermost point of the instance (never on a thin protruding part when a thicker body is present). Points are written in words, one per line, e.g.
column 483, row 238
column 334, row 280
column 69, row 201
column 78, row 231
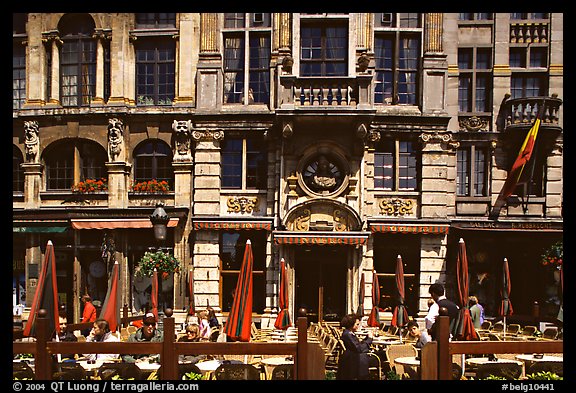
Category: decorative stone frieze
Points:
column 31, row 140
column 182, row 132
column 115, row 139
column 323, row 215
column 204, row 135
column 396, row 207
column 473, row 123
column 242, row 204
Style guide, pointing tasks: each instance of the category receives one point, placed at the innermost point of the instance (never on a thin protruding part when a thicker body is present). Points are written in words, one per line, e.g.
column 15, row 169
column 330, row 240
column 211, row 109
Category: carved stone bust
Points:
column 115, row 138
column 31, row 140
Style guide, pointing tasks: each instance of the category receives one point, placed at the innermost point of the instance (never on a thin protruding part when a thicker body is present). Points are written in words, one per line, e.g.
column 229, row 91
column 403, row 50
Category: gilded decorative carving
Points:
column 433, row 32
column 31, row 140
column 396, row 206
column 340, row 221
column 242, row 204
column 199, row 135
column 439, row 137
column 115, row 138
column 208, row 32
column 302, row 221
column 473, row 123
column 182, row 131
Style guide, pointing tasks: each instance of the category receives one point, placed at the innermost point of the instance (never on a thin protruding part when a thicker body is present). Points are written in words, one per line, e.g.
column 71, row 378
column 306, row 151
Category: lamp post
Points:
column 159, row 219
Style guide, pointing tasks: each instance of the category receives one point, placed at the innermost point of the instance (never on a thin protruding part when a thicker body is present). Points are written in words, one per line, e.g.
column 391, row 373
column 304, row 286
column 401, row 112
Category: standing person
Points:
column 212, row 320
column 355, row 361
column 422, row 337
column 88, row 313
column 205, row 330
column 101, row 333
column 476, row 312
column 148, row 332
column 436, row 290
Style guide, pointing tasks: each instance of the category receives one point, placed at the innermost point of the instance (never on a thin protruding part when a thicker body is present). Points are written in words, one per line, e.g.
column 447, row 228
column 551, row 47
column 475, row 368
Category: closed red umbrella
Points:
column 283, row 319
column 154, row 294
column 111, row 307
column 360, row 311
column 506, row 309
column 192, row 303
column 238, row 325
column 400, row 315
column 374, row 318
column 46, row 295
column 466, row 330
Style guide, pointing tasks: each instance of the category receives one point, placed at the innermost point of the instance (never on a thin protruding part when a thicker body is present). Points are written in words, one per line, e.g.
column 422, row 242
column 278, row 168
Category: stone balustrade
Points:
column 522, row 111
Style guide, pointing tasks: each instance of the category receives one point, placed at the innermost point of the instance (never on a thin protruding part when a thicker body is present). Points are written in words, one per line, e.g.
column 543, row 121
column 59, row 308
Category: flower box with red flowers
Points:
column 151, row 187
column 91, row 186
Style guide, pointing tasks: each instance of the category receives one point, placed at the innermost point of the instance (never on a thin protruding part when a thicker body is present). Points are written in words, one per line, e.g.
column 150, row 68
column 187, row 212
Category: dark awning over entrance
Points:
column 320, row 238
column 40, row 226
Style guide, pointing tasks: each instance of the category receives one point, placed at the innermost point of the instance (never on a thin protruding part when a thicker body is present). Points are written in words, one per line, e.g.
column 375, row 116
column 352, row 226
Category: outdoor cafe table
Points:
column 528, row 358
column 479, row 361
column 209, row 366
column 270, row 363
column 91, row 368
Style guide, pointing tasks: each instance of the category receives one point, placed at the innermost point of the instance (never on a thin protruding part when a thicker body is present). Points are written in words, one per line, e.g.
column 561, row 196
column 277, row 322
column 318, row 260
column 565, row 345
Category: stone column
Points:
column 122, row 64
column 434, row 66
column 33, row 265
column 118, row 168
column 209, row 77
column 187, row 60
column 98, row 99
column 54, row 93
column 32, row 167
column 36, row 72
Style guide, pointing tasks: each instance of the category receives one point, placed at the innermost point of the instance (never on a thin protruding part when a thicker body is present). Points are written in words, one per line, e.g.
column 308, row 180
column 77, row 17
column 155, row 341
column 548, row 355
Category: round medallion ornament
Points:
column 323, row 175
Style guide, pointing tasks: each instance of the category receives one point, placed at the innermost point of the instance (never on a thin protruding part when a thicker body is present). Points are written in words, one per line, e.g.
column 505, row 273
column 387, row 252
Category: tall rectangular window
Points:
column 155, row 20
column 247, row 52
column 323, row 50
column 397, row 55
column 244, row 163
column 471, row 171
column 155, row 72
column 475, row 79
column 395, row 166
column 78, row 72
column 18, row 75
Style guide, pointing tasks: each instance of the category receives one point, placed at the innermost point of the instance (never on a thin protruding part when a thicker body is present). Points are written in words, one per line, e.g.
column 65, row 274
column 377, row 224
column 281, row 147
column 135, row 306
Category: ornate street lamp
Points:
column 159, row 220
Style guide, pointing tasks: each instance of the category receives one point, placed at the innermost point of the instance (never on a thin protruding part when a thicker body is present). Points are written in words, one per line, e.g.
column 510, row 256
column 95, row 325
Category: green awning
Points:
column 39, row 229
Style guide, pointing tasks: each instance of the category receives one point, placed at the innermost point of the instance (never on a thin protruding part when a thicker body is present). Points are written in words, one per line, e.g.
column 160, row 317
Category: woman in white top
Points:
column 101, row 333
column 205, row 330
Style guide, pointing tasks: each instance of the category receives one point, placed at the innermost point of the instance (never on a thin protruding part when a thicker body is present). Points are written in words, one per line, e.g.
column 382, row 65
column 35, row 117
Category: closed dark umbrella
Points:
column 400, row 315
column 46, row 295
column 360, row 311
column 374, row 318
column 466, row 330
column 283, row 319
column 238, row 325
column 506, row 309
column 154, row 294
column 111, row 307
column 192, row 303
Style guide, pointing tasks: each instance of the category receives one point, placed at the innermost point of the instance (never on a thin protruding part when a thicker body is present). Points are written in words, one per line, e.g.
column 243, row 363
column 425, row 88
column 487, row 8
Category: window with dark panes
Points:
column 153, row 160
column 529, row 15
column 232, row 246
column 247, row 54
column 18, row 75
column 474, row 16
column 475, row 79
column 77, row 60
column 151, row 20
column 69, row 163
column 397, row 53
column 395, row 165
column 17, row 171
column 243, row 163
column 471, row 172
column 155, row 71
column 323, row 50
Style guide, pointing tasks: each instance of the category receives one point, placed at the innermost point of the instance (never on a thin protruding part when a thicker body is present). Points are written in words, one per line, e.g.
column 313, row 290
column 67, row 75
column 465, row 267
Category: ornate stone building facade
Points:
column 334, row 141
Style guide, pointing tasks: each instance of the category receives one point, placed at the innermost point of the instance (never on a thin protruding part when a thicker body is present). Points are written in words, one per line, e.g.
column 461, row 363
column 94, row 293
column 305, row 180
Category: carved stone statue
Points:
column 31, row 140
column 182, row 132
column 323, row 179
column 115, row 138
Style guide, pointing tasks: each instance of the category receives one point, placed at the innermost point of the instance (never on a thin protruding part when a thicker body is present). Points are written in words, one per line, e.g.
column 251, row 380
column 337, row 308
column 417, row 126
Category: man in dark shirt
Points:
column 437, row 292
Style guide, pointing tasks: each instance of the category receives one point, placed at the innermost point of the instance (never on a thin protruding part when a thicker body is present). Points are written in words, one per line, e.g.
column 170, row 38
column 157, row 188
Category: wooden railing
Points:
column 308, row 357
column 436, row 357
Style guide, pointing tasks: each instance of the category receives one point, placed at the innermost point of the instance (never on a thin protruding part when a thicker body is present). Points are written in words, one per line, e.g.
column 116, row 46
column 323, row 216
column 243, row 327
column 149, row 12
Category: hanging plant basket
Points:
column 163, row 262
column 553, row 255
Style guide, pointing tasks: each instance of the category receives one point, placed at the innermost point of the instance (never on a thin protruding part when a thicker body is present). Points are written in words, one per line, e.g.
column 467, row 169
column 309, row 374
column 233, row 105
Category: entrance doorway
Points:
column 321, row 282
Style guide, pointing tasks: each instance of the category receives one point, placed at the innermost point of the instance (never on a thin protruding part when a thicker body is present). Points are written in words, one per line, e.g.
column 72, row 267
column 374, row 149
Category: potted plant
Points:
column 151, row 186
column 164, row 263
column 91, row 185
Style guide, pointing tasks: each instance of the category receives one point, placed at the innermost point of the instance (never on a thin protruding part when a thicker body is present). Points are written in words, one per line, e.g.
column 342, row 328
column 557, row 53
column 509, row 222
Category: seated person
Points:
column 65, row 335
column 148, row 332
column 101, row 333
column 421, row 336
column 192, row 335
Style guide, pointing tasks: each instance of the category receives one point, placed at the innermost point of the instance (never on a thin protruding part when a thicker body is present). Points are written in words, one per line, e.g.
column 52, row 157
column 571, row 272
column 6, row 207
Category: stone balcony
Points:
column 521, row 112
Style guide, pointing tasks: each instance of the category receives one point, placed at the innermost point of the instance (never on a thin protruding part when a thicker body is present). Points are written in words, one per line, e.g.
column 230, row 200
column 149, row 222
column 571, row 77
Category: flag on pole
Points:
column 524, row 156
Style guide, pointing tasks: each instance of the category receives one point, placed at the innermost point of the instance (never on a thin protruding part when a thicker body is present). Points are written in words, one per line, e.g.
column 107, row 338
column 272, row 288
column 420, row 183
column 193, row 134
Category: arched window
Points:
column 153, row 160
column 17, row 171
column 87, row 157
column 77, row 60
